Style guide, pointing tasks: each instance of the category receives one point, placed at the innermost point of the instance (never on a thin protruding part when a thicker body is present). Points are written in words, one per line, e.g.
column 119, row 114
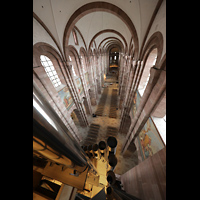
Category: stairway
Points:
column 111, row 131
column 92, row 135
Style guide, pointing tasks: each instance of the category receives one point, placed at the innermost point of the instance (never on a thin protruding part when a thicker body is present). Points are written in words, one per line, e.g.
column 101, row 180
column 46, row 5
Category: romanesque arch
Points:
column 100, row 6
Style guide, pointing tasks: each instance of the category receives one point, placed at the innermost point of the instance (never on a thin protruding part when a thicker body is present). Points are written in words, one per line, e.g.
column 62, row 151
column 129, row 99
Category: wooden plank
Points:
column 55, row 172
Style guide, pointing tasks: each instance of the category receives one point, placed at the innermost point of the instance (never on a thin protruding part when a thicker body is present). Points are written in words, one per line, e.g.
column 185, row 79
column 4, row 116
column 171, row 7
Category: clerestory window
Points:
column 74, row 73
column 50, row 70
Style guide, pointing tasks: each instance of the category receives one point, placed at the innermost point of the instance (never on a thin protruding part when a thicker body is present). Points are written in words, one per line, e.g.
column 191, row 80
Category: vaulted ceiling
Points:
column 126, row 23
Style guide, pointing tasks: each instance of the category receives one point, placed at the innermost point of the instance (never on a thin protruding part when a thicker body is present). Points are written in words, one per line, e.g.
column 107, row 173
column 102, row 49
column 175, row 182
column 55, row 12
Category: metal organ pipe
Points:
column 95, row 148
column 102, row 148
column 111, row 177
column 112, row 143
column 90, row 150
column 112, row 161
column 52, row 139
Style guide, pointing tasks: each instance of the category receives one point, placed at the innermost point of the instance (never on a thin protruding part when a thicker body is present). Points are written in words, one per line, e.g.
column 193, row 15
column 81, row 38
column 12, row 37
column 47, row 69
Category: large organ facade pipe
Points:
column 52, row 139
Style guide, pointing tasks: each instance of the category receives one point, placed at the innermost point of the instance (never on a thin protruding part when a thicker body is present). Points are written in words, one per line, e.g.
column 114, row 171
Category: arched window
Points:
column 74, row 73
column 73, row 70
column 50, row 70
column 151, row 60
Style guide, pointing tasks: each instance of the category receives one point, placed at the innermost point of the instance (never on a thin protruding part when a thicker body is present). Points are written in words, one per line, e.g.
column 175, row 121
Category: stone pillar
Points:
column 54, row 100
column 93, row 91
column 107, row 62
column 153, row 94
column 131, row 90
column 121, row 71
column 85, row 88
column 92, row 96
column 94, row 70
column 125, row 79
column 76, row 97
column 98, row 85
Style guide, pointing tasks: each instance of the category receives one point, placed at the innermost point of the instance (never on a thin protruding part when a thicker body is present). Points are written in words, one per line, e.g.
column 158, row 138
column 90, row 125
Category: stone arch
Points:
column 75, row 61
column 111, row 39
column 48, row 31
column 107, row 31
column 41, row 79
column 113, row 42
column 146, row 70
column 83, row 54
column 155, row 41
column 71, row 49
column 45, row 49
column 100, row 6
column 160, row 110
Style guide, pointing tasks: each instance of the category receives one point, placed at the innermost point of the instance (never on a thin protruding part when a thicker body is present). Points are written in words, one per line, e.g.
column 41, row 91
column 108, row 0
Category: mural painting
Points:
column 149, row 138
column 79, row 85
column 136, row 102
column 66, row 97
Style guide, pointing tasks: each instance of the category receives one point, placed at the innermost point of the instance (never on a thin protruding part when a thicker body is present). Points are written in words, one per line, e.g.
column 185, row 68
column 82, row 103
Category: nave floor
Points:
column 123, row 164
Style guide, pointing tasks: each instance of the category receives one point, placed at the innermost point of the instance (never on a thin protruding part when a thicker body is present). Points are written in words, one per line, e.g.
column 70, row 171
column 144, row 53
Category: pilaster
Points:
column 130, row 94
column 153, row 93
column 75, row 95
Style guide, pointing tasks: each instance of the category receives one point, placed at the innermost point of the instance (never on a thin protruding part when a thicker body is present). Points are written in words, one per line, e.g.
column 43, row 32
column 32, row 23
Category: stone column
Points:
column 122, row 58
column 58, row 106
column 153, row 94
column 125, row 79
column 131, row 90
column 85, row 88
column 75, row 95
column 93, row 90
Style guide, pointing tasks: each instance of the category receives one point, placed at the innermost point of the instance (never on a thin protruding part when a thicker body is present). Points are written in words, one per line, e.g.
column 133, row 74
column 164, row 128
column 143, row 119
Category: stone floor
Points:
column 124, row 163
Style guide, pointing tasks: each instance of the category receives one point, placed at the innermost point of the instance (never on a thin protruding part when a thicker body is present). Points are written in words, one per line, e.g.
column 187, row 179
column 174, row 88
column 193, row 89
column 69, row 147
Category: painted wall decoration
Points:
column 66, row 97
column 136, row 102
column 87, row 79
column 79, row 85
column 149, row 138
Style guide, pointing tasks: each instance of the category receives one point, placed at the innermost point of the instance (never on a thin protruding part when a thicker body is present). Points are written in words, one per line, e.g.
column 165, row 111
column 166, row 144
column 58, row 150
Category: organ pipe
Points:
column 52, row 139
